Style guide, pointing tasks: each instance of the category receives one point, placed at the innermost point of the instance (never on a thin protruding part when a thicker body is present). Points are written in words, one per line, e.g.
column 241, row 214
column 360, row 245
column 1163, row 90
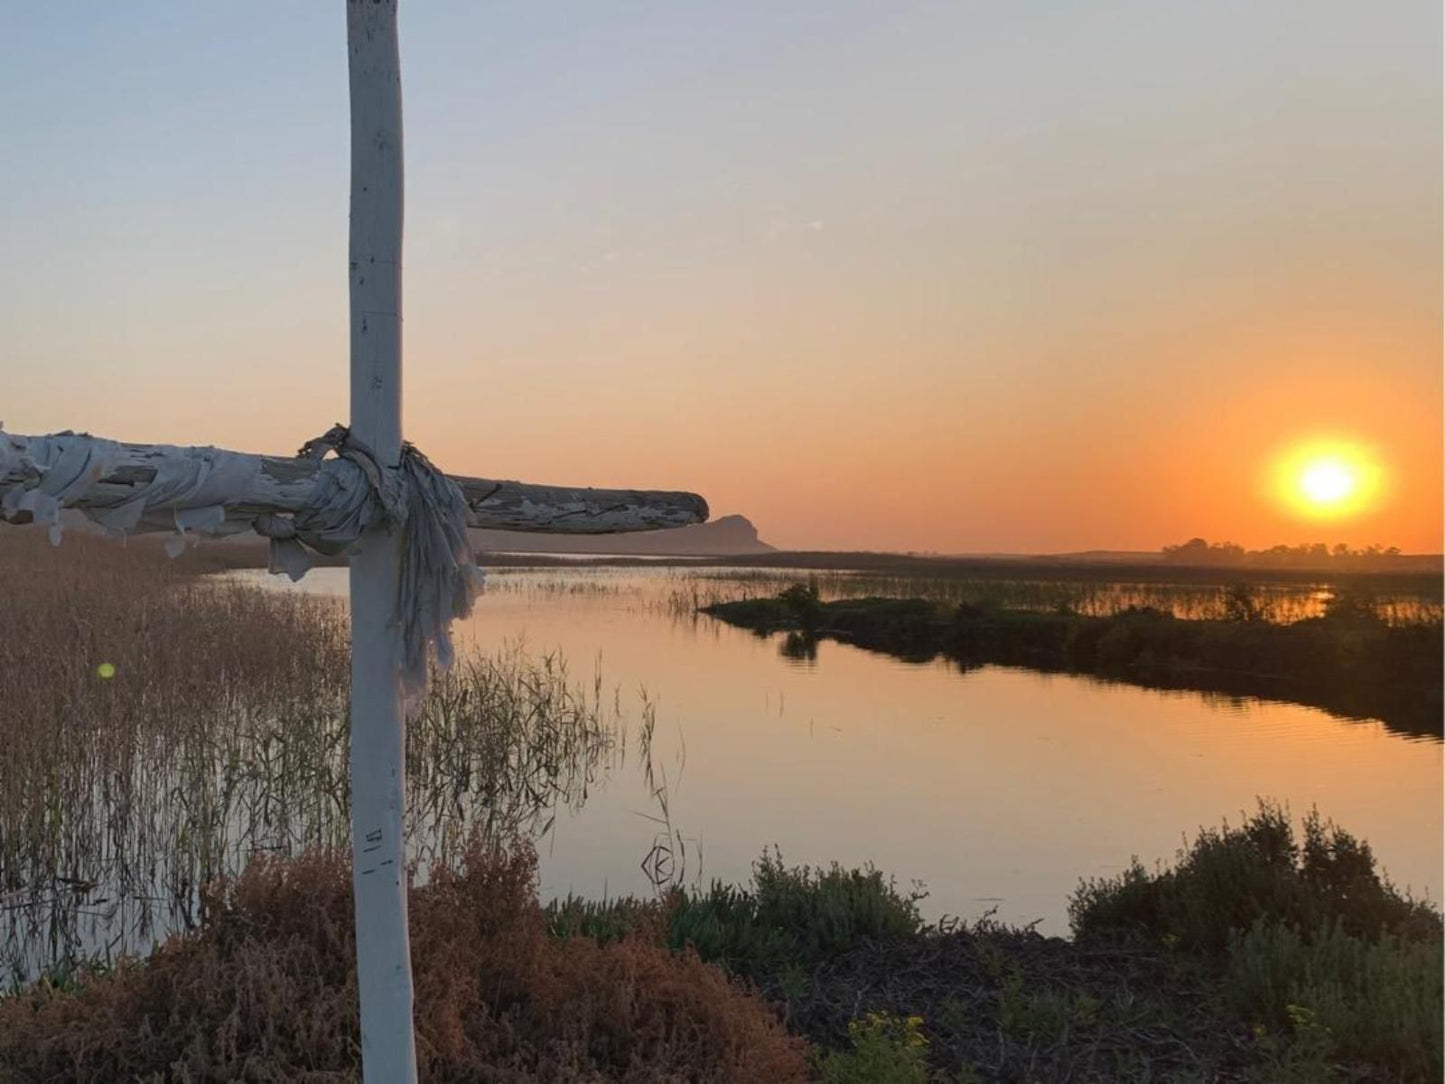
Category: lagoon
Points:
column 995, row 788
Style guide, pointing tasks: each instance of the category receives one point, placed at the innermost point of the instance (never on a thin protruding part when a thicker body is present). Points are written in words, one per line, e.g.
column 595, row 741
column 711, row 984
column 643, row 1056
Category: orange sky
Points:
column 959, row 278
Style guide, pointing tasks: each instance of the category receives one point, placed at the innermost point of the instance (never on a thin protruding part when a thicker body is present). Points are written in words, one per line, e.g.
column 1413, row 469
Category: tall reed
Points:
column 160, row 727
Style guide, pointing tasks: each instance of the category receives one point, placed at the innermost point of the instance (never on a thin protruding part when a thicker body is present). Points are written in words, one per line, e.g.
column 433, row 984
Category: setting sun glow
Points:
column 1327, row 482
column 1328, row 479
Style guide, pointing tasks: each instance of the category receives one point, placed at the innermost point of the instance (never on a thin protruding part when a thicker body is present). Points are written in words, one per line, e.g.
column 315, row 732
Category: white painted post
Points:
column 378, row 737
column 136, row 486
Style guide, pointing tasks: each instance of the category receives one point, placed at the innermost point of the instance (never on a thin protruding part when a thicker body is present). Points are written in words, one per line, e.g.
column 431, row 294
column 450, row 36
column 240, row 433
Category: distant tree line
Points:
column 1198, row 551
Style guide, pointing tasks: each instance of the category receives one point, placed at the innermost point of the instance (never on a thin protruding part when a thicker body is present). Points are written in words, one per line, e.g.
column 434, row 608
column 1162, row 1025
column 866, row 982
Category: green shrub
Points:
column 1318, row 953
column 791, row 916
column 604, row 921
column 1231, row 878
column 1370, row 1000
column 786, row 918
column 887, row 1049
column 802, row 602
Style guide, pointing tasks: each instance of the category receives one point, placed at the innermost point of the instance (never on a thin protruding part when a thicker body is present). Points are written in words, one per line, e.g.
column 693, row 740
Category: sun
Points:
column 1327, row 479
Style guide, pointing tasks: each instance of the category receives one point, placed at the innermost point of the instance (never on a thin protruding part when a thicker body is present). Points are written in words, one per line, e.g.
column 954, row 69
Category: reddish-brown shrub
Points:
column 267, row 992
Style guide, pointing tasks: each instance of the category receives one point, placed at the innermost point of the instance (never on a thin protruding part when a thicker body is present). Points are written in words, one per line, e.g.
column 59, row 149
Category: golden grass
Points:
column 160, row 727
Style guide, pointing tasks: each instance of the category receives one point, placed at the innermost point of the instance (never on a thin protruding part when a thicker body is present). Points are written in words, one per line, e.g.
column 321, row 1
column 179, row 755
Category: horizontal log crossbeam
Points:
column 248, row 485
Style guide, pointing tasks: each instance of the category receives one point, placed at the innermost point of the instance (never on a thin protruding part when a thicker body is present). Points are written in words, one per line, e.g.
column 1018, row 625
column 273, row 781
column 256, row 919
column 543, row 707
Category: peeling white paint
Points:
column 142, row 487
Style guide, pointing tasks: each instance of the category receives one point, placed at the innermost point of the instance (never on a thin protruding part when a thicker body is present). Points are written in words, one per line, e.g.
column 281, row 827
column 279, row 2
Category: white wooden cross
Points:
column 408, row 579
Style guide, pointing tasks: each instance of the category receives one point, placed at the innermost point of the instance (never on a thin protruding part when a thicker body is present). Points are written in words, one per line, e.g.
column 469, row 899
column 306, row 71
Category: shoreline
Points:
column 1353, row 667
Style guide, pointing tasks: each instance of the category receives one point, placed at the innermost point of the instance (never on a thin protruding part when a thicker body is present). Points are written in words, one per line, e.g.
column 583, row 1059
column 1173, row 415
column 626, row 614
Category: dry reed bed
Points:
column 160, row 727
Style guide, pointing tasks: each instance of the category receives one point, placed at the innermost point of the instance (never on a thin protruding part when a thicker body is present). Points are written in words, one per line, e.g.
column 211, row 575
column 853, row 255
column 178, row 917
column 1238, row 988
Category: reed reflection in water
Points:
column 161, row 728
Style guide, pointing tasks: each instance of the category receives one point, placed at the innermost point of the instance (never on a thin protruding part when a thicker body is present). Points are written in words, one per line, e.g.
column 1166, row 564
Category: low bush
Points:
column 1376, row 1001
column 1321, row 956
column 886, row 1050
column 791, row 916
column 1231, row 878
column 1263, row 953
column 787, row 917
column 267, row 991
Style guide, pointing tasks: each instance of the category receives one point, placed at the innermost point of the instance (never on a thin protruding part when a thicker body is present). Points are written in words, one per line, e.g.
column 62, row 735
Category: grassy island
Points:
column 1348, row 661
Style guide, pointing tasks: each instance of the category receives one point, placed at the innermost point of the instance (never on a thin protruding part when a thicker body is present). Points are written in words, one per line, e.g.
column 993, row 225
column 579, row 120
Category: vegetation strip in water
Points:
column 1257, row 956
column 1348, row 661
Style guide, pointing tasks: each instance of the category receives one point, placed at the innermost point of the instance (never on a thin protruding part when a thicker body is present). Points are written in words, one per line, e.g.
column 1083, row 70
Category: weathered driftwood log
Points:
column 160, row 486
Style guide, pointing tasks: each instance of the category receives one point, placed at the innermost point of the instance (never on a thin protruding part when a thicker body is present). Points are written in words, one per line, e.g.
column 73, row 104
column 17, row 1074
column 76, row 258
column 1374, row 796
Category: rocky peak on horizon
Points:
column 720, row 537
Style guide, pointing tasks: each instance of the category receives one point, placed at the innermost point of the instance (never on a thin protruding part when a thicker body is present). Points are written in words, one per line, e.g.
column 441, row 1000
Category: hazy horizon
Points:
column 503, row 541
column 932, row 277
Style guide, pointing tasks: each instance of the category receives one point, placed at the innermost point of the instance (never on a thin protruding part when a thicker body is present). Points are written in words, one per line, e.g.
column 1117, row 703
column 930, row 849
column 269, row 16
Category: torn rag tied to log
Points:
column 190, row 493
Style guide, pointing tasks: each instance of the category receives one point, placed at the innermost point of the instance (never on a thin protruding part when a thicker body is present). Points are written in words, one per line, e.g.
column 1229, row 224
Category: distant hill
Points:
column 726, row 536
column 1116, row 557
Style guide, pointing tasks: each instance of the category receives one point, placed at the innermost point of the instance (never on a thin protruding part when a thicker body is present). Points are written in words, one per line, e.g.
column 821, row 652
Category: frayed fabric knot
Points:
column 439, row 577
column 203, row 490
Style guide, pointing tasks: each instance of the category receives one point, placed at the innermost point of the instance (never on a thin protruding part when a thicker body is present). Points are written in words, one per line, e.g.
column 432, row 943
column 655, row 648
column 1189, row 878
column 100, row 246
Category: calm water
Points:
column 998, row 787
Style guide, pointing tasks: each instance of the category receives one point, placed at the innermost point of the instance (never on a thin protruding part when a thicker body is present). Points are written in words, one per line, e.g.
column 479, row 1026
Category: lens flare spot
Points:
column 105, row 670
